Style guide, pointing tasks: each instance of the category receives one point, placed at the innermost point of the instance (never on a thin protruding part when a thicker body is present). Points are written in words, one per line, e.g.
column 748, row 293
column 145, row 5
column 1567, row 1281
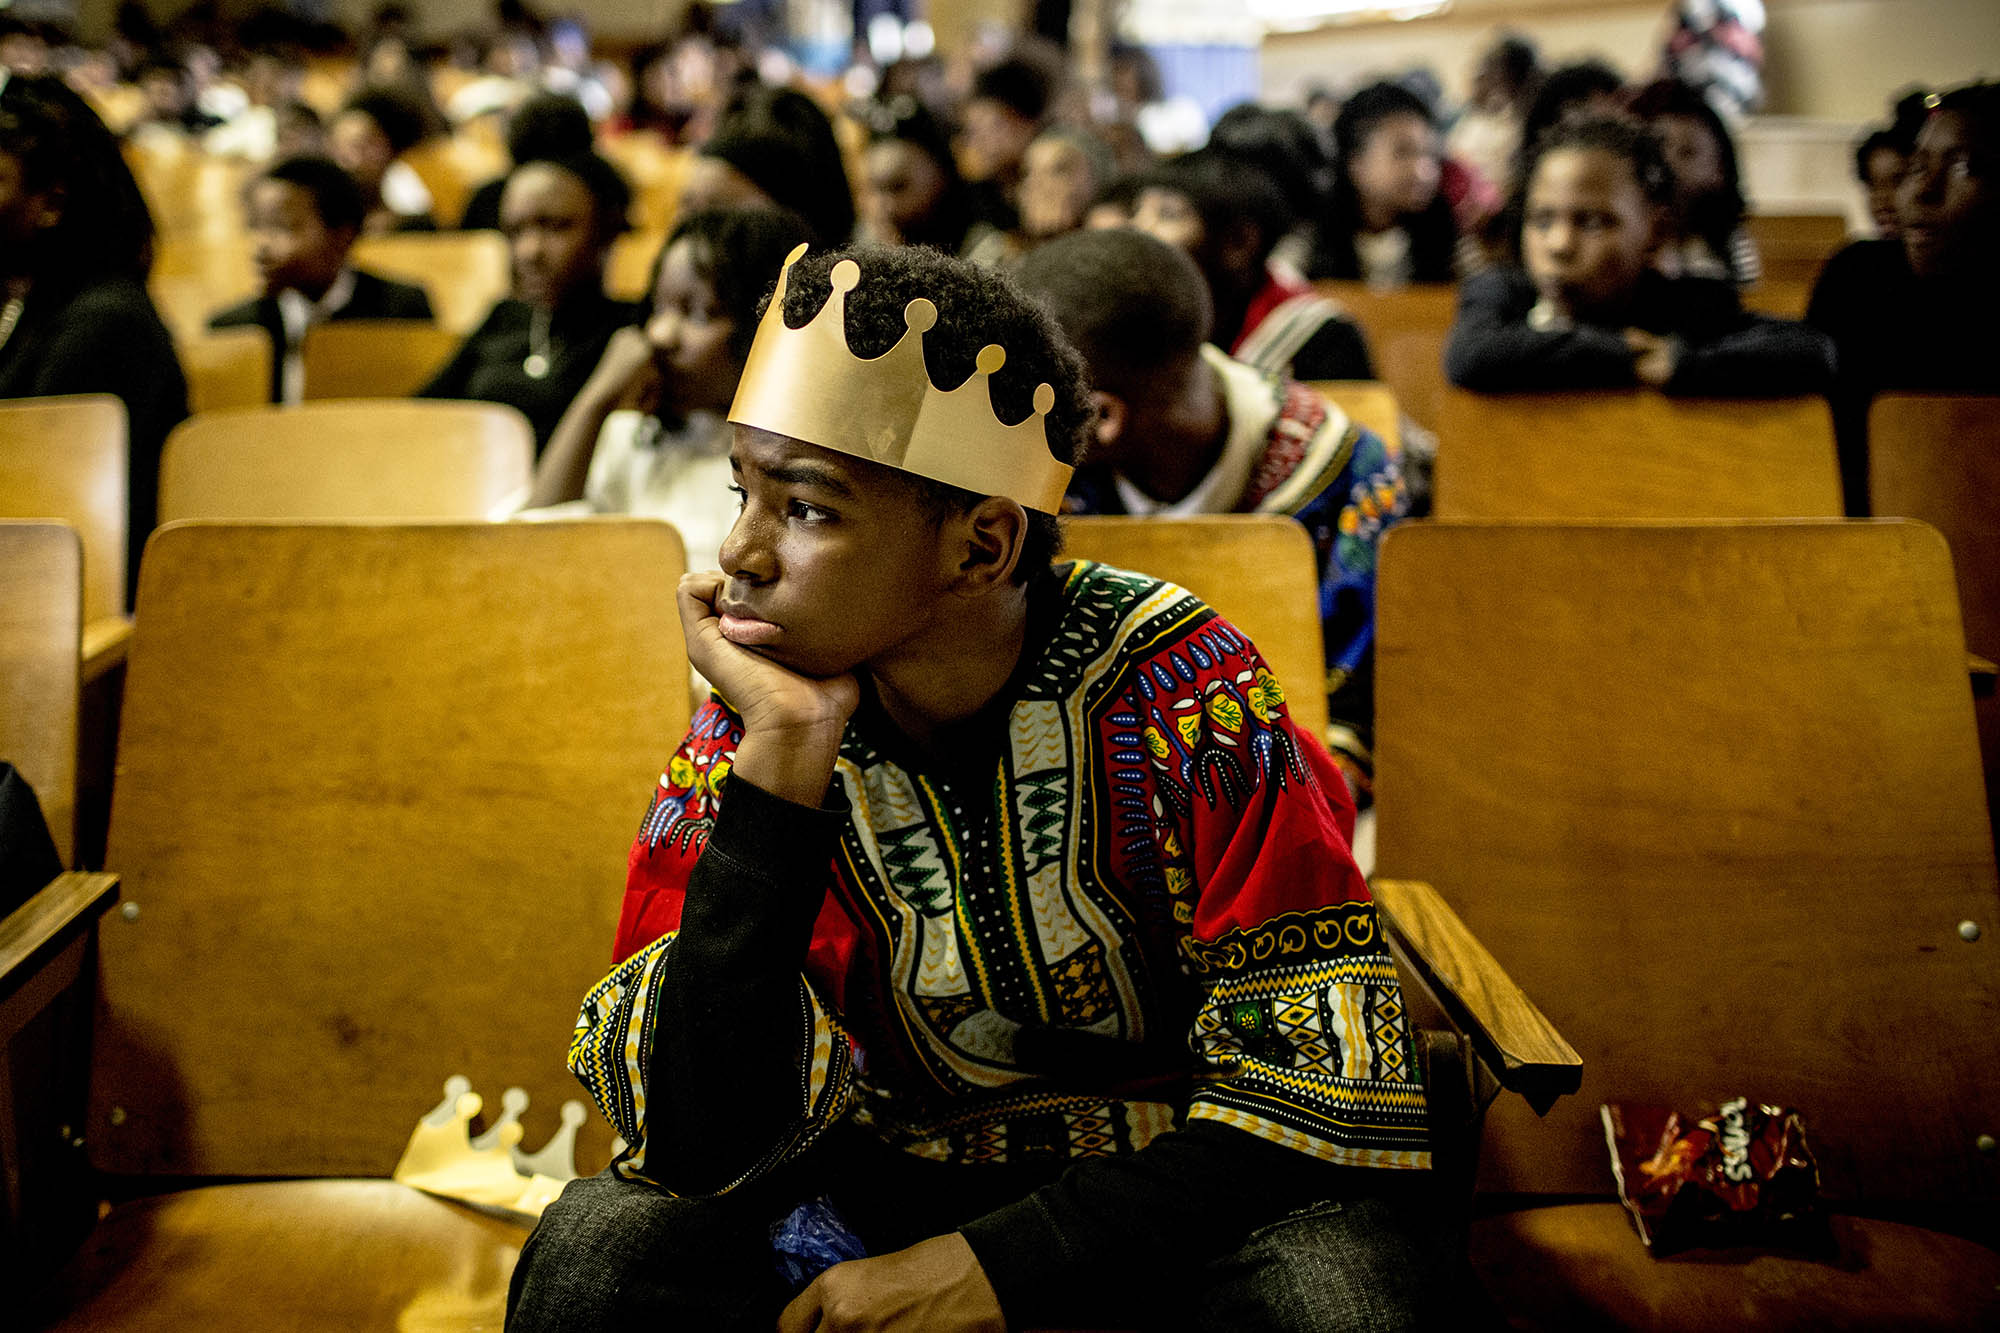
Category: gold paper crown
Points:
column 808, row 384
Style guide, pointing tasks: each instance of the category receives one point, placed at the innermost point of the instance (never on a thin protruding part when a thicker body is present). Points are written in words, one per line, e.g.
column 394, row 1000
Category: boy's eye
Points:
column 742, row 497
column 810, row 513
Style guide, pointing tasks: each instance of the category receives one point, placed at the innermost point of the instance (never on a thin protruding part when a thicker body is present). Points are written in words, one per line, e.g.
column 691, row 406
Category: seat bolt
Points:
column 1968, row 931
column 130, row 911
column 117, row 1115
column 1987, row 1144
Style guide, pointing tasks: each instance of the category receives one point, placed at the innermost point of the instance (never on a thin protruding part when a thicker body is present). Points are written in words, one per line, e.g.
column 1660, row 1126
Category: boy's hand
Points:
column 791, row 723
column 935, row 1286
column 1654, row 358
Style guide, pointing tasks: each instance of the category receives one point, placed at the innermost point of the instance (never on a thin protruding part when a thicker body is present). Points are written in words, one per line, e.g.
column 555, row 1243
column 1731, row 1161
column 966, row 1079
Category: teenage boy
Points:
column 304, row 216
column 997, row 907
column 1182, row 429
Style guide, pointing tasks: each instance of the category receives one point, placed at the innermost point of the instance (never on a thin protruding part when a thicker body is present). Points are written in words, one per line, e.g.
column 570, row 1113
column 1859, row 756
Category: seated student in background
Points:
column 1921, row 311
column 1228, row 216
column 1061, row 173
column 76, row 245
column 547, row 125
column 1708, row 239
column 890, row 958
column 1588, row 309
column 1879, row 160
column 911, row 192
column 646, row 433
column 368, row 137
column 1386, row 222
column 1182, row 429
column 774, row 148
column 303, row 217
column 537, row 347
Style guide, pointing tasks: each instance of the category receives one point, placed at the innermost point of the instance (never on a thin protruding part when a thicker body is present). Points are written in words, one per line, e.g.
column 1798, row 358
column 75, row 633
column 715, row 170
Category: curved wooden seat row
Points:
column 359, row 459
column 64, row 458
column 463, row 272
column 374, row 358
column 1711, row 793
column 377, row 786
column 1634, row 454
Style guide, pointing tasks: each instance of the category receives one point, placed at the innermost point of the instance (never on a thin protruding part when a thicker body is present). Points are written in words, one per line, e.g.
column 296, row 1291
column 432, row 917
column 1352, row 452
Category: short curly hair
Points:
column 975, row 307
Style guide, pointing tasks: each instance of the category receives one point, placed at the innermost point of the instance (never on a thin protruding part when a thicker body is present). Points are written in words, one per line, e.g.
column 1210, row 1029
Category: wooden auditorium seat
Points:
column 360, row 459
column 464, row 272
column 374, row 358
column 1936, row 457
column 1793, row 247
column 1406, row 329
column 377, row 788
column 1367, row 403
column 1634, row 454
column 1711, row 793
column 226, row 368
column 628, row 271
column 64, row 458
column 1256, row 569
column 41, row 639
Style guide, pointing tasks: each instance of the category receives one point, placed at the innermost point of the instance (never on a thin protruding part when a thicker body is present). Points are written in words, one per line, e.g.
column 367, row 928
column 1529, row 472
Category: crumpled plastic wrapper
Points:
column 811, row 1239
column 1743, row 1175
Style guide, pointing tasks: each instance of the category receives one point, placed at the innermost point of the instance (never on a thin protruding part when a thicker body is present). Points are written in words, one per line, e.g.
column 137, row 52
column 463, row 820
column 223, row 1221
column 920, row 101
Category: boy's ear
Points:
column 1108, row 422
column 990, row 536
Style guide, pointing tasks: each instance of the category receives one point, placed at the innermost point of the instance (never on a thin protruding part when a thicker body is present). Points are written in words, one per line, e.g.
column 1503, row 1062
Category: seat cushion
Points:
column 319, row 1254
column 1582, row 1265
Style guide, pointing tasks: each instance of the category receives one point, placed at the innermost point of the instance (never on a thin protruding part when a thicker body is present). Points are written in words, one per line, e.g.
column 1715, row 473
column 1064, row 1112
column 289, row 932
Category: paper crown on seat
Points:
column 490, row 1171
column 807, row 384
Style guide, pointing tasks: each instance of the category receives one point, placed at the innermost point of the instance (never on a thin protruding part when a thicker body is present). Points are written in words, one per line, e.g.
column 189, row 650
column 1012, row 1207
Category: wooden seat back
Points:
column 1256, row 569
column 1936, row 457
column 41, row 636
column 1792, row 247
column 1711, row 795
column 1634, row 454
column 628, row 270
column 361, row 459
column 374, row 358
column 227, row 368
column 1368, row 403
column 464, row 272
column 377, row 786
column 1406, row 329
column 64, row 458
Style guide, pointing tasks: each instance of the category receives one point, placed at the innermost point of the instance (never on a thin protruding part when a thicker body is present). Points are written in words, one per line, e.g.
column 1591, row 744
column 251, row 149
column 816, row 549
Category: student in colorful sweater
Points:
column 992, row 923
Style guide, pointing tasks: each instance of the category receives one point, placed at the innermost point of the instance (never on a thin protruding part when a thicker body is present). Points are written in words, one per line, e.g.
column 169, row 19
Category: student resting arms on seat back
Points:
column 1228, row 216
column 948, row 911
column 1182, row 429
column 1386, row 221
column 1917, row 312
column 537, row 347
column 1589, row 311
column 646, row 434
column 1708, row 239
column 76, row 244
column 303, row 215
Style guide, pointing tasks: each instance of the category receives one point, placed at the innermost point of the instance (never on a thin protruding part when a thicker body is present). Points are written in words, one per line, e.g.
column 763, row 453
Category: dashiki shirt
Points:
column 1131, row 906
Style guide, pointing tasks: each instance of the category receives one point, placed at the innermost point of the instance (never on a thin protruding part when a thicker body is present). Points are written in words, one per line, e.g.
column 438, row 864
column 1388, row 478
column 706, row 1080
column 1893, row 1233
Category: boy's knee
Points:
column 1356, row 1264
column 612, row 1253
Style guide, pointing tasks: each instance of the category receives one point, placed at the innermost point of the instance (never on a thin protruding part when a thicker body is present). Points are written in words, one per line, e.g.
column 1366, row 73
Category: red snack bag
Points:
column 1742, row 1176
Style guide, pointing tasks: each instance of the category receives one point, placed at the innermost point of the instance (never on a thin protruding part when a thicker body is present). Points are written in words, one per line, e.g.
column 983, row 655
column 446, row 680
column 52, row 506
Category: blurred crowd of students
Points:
column 1595, row 230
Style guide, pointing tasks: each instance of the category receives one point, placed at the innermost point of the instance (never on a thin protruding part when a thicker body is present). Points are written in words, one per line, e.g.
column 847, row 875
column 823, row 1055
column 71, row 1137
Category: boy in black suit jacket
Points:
column 304, row 216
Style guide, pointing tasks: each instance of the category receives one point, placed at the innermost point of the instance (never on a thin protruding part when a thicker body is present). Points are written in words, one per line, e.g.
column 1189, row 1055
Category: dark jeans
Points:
column 610, row 1254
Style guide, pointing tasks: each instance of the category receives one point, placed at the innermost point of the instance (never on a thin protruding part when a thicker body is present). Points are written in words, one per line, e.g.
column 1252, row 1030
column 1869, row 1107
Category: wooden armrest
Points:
column 47, row 923
column 1983, row 673
column 1521, row 1047
column 104, row 645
